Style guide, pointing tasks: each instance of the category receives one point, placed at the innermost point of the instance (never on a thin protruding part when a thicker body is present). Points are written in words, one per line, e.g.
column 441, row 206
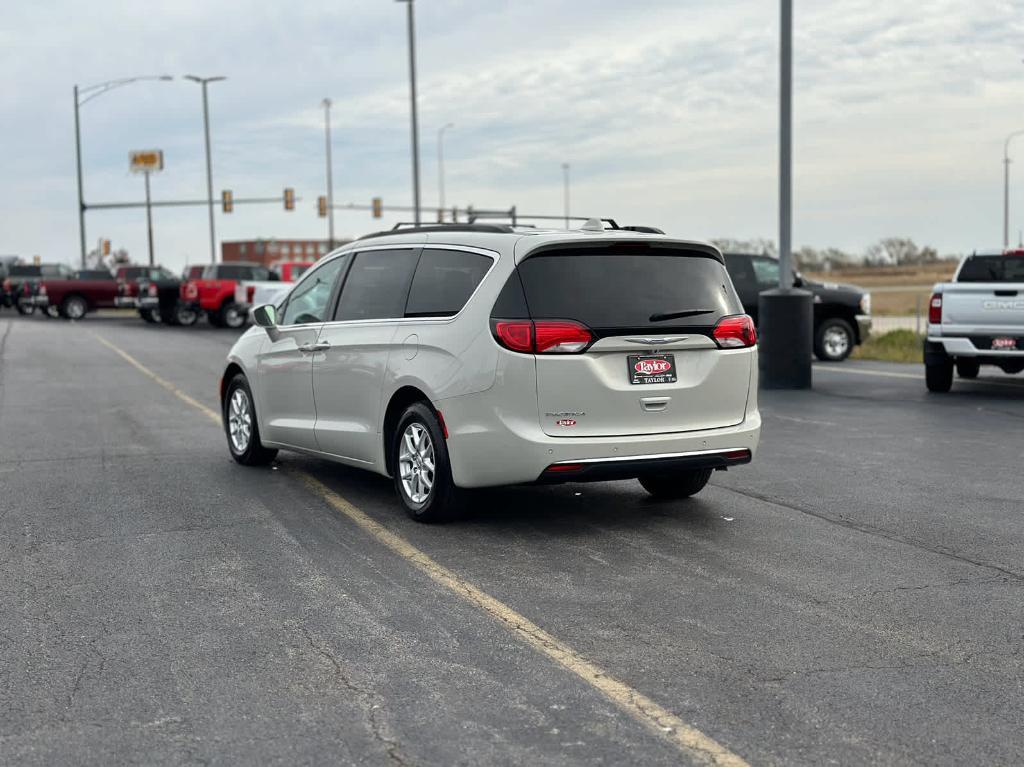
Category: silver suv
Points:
column 463, row 356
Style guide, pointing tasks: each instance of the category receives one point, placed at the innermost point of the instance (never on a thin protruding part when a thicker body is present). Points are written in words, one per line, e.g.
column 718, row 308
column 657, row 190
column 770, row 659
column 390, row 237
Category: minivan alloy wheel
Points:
column 416, row 463
column 240, row 420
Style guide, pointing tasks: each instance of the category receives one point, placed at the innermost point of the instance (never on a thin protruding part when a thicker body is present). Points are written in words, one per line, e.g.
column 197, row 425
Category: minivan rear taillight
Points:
column 542, row 336
column 735, row 332
column 935, row 309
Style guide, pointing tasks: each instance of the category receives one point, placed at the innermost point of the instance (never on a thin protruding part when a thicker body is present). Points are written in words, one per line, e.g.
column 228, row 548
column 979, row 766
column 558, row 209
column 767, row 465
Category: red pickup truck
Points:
column 75, row 297
column 214, row 294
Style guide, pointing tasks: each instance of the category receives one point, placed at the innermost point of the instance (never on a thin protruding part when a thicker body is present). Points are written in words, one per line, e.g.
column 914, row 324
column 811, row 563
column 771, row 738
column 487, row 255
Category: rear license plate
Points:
column 651, row 368
column 1004, row 343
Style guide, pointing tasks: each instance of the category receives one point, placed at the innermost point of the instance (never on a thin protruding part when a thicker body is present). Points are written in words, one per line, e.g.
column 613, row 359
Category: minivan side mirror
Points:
column 265, row 316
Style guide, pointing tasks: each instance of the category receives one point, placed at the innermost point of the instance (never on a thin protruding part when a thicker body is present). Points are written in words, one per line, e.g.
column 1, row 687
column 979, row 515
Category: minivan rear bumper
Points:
column 602, row 469
column 487, row 449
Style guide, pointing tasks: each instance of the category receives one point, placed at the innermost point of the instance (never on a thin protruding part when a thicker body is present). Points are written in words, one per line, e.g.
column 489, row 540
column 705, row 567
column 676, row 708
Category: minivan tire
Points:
column 442, row 499
column 938, row 376
column 253, row 453
column 828, row 344
column 680, row 484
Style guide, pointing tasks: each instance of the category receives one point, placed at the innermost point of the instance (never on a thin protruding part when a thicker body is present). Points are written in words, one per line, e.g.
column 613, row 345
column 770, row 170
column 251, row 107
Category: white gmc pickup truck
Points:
column 977, row 319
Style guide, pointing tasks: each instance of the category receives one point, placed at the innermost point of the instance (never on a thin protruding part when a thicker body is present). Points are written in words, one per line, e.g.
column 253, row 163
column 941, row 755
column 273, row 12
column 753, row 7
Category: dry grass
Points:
column 894, row 346
column 916, row 283
column 890, row 276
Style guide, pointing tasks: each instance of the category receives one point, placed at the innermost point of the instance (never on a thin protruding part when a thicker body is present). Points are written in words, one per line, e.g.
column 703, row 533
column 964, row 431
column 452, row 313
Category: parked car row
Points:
column 223, row 293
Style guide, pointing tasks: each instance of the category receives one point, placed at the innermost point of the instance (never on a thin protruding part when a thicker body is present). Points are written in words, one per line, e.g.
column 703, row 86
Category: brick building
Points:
column 269, row 252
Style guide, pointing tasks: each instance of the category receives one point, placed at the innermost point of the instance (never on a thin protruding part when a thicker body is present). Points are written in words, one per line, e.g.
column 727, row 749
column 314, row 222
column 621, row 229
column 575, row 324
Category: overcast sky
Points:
column 665, row 109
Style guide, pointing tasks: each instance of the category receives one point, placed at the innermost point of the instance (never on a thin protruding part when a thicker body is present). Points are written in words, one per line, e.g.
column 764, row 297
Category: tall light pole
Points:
column 786, row 314
column 440, row 170
column 82, row 96
column 412, row 100
column 565, row 183
column 330, row 175
column 1006, row 187
column 786, row 147
column 204, row 81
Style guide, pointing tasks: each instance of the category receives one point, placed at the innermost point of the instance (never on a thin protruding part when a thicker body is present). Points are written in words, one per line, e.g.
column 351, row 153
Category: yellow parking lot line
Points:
column 213, row 414
column 695, row 744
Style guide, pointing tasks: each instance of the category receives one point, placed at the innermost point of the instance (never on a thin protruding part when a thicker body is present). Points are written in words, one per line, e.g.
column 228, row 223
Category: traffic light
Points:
column 227, row 201
column 378, row 207
column 321, row 206
column 289, row 198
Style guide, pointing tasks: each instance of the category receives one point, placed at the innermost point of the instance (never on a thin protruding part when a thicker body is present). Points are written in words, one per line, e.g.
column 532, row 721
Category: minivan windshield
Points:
column 639, row 289
column 992, row 269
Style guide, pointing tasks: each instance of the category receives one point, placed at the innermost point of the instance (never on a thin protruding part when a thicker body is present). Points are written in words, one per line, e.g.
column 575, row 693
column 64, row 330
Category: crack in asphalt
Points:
column 368, row 697
column 878, row 532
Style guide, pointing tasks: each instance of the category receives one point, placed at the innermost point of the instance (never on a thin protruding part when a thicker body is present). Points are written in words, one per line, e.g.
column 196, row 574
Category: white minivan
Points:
column 461, row 356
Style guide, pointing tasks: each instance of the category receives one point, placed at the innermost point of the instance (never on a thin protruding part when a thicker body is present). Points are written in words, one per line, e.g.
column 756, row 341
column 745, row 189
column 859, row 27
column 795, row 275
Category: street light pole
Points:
column 565, row 181
column 78, row 167
column 786, row 314
column 412, row 100
column 204, row 81
column 149, row 220
column 440, row 170
column 330, row 175
column 90, row 92
column 1006, row 187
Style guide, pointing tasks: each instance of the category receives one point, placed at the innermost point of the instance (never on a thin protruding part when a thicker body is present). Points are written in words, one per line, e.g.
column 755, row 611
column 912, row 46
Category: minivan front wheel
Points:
column 421, row 467
column 680, row 484
column 240, row 426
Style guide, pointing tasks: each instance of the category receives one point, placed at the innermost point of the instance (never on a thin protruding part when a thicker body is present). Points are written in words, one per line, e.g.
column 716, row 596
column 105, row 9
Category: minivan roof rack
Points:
column 405, row 227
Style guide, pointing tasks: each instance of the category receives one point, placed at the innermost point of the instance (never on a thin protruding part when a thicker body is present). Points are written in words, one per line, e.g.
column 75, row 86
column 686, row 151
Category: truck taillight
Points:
column 250, row 292
column 42, row 290
column 542, row 336
column 151, row 290
column 190, row 291
column 935, row 309
column 735, row 332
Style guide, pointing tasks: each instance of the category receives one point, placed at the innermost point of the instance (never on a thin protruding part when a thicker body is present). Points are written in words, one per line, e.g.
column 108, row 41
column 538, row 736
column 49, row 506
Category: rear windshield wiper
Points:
column 661, row 317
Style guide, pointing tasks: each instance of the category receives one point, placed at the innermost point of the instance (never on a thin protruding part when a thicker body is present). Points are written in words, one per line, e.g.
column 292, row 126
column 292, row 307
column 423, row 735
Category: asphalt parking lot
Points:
column 852, row 597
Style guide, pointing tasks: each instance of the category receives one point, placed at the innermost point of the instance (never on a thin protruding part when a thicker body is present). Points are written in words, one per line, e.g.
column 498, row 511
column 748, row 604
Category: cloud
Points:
column 666, row 112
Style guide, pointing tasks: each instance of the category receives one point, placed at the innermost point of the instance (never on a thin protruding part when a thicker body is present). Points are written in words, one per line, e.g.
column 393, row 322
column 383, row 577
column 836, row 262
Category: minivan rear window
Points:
column 655, row 289
column 444, row 281
column 992, row 269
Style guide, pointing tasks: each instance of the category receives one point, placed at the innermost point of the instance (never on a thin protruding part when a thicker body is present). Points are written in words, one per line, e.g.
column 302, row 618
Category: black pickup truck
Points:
column 842, row 313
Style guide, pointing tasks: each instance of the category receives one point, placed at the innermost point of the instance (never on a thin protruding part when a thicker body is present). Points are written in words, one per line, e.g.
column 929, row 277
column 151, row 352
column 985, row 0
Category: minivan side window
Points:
column 444, row 281
column 308, row 300
column 377, row 285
